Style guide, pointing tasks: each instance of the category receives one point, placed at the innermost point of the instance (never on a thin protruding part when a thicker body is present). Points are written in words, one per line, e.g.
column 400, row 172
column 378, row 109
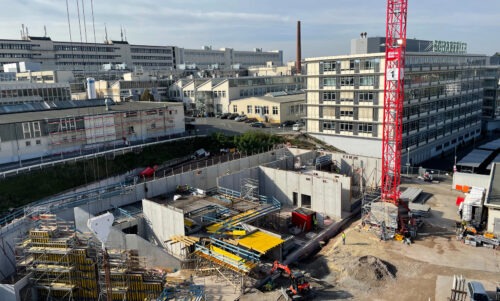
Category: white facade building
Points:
column 442, row 106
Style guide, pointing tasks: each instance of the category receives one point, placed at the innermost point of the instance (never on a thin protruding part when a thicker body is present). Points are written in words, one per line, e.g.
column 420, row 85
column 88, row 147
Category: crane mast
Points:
column 395, row 46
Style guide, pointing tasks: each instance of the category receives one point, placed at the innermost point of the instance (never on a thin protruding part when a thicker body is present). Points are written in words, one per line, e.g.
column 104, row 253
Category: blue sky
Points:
column 327, row 25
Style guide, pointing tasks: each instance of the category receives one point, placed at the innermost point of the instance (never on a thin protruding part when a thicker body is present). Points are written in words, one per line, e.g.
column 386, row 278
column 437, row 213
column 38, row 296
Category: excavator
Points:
column 299, row 289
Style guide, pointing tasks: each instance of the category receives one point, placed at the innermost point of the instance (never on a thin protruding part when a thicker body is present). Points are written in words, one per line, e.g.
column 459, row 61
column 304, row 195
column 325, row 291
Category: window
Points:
column 366, row 80
column 295, row 199
column 368, row 64
column 130, row 114
column 28, row 143
column 258, row 110
column 346, row 112
column 153, row 125
column 328, row 125
column 305, row 200
column 328, row 96
column 36, row 129
column 275, row 110
column 38, row 141
column 329, row 66
column 346, row 127
column 365, row 128
column 131, row 130
column 26, row 130
column 235, row 109
column 366, row 96
column 329, row 82
column 249, row 109
column 151, row 112
column 265, row 110
column 347, row 81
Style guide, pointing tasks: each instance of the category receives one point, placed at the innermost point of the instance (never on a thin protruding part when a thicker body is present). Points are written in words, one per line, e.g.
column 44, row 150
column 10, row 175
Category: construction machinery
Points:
column 395, row 47
column 299, row 288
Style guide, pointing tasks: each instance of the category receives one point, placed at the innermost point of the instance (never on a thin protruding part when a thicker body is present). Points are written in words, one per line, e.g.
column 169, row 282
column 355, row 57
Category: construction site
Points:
column 283, row 224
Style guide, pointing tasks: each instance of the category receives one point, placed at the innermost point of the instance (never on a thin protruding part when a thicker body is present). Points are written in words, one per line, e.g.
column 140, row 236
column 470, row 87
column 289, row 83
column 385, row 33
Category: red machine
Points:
column 395, row 46
column 299, row 287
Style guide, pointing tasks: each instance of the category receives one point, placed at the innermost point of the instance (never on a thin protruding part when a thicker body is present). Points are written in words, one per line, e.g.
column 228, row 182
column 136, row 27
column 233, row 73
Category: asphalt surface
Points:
column 209, row 125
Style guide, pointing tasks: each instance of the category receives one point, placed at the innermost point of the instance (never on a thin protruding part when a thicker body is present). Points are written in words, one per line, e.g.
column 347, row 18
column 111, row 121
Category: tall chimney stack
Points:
column 299, row 55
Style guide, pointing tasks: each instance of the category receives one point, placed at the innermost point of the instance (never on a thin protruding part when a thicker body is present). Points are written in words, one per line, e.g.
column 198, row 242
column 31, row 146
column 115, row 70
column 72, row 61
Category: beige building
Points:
column 48, row 77
column 214, row 95
column 123, row 90
column 273, row 107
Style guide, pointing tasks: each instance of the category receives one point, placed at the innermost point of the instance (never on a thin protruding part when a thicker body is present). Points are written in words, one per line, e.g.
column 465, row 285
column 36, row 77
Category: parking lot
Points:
column 209, row 125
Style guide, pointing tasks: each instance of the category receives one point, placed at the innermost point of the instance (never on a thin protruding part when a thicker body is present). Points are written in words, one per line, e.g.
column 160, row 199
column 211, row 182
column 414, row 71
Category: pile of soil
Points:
column 370, row 270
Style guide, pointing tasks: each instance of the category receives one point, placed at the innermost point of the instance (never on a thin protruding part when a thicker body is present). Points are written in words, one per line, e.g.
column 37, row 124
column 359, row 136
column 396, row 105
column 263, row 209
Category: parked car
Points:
column 201, row 153
column 225, row 115
column 241, row 118
column 258, row 125
column 251, row 120
column 233, row 116
column 287, row 123
column 297, row 126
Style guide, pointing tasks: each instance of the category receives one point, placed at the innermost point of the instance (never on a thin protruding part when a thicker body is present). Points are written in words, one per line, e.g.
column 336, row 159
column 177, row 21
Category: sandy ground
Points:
column 421, row 271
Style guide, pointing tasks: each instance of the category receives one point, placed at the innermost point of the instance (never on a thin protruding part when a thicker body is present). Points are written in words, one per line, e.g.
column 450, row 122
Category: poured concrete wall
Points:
column 325, row 190
column 8, row 236
column 12, row 292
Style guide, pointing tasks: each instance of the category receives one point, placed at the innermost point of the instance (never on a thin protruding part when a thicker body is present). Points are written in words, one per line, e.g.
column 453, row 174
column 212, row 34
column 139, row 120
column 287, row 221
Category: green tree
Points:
column 254, row 141
column 147, row 96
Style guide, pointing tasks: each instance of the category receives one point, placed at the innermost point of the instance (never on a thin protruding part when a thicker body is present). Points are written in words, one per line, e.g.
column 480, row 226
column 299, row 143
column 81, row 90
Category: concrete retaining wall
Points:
column 469, row 179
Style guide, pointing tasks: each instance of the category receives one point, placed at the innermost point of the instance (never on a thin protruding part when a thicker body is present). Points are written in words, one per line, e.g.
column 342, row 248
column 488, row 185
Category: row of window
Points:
column 449, row 103
column 17, row 46
column 45, row 93
column 266, row 81
column 362, row 96
column 86, row 56
column 154, row 58
column 364, row 64
column 347, row 126
column 16, row 55
column 83, row 48
column 150, row 50
column 263, row 90
column 349, row 81
column 261, row 110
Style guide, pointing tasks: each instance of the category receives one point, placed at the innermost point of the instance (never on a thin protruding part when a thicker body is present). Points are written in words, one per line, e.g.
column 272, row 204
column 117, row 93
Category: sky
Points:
column 327, row 25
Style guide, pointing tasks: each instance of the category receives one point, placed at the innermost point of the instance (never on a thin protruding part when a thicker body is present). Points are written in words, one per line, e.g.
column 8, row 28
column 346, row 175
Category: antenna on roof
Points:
column 125, row 32
column 22, row 31
column 45, row 31
column 105, row 33
column 27, row 32
column 121, row 32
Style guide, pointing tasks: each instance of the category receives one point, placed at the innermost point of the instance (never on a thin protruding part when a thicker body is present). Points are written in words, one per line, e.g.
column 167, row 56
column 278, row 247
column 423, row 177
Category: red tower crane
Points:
column 395, row 46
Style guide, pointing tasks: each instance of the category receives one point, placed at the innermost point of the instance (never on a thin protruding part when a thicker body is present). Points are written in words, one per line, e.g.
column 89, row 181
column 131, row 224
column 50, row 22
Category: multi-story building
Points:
column 77, row 126
column 215, row 95
column 442, row 105
column 24, row 91
column 226, row 58
column 123, row 90
column 491, row 98
column 57, row 55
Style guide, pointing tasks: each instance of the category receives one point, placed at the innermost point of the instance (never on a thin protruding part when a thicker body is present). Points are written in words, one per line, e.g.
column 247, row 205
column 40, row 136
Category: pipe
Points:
column 298, row 66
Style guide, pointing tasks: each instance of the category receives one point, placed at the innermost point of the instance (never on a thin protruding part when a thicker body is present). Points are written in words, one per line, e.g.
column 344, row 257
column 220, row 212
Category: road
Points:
column 207, row 126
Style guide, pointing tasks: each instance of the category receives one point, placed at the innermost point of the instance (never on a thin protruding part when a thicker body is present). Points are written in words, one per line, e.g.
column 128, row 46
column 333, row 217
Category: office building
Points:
column 76, row 126
column 442, row 105
column 58, row 55
column 491, row 98
column 13, row 92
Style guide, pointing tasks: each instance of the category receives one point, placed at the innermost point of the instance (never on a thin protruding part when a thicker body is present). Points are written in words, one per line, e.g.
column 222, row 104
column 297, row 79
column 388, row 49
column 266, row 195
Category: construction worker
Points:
column 343, row 237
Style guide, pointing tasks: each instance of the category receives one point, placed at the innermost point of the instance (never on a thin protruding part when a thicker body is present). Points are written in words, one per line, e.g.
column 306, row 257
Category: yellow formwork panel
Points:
column 230, row 221
column 236, row 258
column 260, row 242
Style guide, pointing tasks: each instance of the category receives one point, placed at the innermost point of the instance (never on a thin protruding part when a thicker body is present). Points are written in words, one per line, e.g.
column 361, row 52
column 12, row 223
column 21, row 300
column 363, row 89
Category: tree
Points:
column 147, row 96
column 253, row 141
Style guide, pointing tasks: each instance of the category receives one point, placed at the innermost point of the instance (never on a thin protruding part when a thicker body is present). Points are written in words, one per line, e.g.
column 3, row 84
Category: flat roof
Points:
column 475, row 158
column 83, row 111
column 496, row 160
column 260, row 241
column 492, row 145
column 277, row 99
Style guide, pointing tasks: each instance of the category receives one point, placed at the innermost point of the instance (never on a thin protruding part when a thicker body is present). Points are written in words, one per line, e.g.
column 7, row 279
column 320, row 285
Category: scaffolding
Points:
column 250, row 189
column 60, row 265
column 379, row 216
column 130, row 280
column 64, row 265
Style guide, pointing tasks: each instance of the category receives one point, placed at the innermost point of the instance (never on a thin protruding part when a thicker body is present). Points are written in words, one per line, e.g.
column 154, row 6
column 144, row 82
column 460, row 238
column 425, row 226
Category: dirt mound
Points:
column 370, row 270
